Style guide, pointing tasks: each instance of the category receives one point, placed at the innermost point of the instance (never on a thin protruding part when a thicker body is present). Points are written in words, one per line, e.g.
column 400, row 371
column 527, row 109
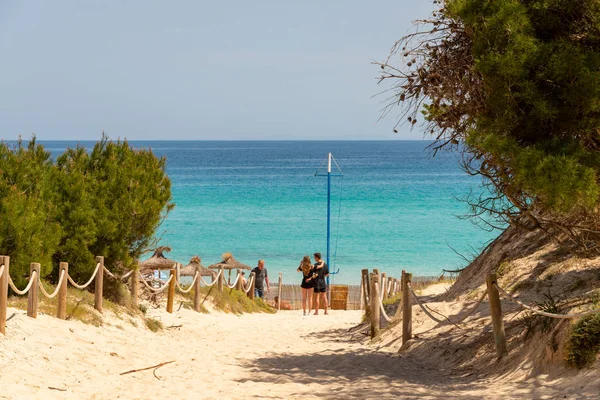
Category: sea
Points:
column 393, row 205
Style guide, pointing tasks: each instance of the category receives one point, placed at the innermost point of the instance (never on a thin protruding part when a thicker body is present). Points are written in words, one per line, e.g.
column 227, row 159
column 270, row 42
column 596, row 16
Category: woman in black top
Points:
column 307, row 284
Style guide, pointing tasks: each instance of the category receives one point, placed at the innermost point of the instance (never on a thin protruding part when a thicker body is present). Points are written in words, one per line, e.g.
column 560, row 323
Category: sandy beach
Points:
column 218, row 355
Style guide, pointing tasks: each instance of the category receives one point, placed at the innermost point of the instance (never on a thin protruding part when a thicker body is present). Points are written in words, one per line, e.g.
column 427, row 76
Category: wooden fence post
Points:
column 383, row 285
column 251, row 291
column 135, row 286
column 362, row 293
column 32, row 296
column 496, row 313
column 279, row 292
column 4, row 260
column 99, row 284
column 221, row 279
column 406, row 308
column 402, row 280
column 374, row 305
column 61, row 312
column 171, row 291
column 239, row 285
column 197, row 290
column 366, row 290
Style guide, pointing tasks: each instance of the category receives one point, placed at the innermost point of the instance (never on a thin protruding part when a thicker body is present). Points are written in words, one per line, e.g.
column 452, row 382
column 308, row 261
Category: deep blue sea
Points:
column 394, row 208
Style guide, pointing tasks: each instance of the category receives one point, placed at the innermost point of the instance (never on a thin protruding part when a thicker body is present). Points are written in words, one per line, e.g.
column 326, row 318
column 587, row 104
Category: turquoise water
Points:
column 394, row 208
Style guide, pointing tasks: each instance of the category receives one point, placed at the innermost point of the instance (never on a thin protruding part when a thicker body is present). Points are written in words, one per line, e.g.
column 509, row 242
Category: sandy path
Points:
column 221, row 356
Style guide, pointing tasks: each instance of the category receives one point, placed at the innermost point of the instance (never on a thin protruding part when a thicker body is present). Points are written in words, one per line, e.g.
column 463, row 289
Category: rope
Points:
column 189, row 289
column 122, row 278
column 213, row 282
column 32, row 279
column 426, row 310
column 385, row 316
column 88, row 282
column 546, row 314
column 249, row 284
column 237, row 278
column 126, row 275
column 157, row 290
column 60, row 281
column 1, row 270
column 439, row 321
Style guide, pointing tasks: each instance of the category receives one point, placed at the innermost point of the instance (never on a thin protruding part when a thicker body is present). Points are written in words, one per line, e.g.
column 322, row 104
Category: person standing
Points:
column 260, row 277
column 320, row 272
column 307, row 284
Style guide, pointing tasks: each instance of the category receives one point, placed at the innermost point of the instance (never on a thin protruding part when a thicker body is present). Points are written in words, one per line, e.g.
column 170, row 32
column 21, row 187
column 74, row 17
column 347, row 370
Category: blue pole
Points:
column 328, row 219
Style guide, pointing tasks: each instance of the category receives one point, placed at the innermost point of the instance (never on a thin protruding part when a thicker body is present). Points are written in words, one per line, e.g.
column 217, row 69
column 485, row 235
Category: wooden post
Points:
column 135, row 286
column 99, row 284
column 32, row 296
column 221, row 279
column 251, row 291
column 402, row 280
column 177, row 272
column 279, row 292
column 406, row 308
column 362, row 293
column 366, row 290
column 374, row 305
column 171, row 291
column 4, row 260
column 383, row 285
column 61, row 312
column 239, row 285
column 496, row 313
column 197, row 291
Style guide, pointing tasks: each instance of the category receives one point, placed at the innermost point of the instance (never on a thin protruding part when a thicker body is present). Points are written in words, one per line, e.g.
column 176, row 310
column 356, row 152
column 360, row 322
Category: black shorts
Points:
column 306, row 285
column 320, row 290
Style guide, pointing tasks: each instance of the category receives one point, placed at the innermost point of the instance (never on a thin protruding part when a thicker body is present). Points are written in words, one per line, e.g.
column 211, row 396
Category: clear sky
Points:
column 198, row 70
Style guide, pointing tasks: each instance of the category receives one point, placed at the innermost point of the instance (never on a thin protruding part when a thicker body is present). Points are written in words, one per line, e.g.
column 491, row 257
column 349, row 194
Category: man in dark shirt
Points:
column 320, row 273
column 260, row 277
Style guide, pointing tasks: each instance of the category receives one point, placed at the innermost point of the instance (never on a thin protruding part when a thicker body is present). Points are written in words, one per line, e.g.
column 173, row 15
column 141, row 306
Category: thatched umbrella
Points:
column 229, row 263
column 158, row 261
column 190, row 269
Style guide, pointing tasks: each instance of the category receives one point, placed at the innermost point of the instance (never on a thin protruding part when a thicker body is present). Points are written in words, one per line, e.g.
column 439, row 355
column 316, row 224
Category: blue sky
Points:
column 198, row 70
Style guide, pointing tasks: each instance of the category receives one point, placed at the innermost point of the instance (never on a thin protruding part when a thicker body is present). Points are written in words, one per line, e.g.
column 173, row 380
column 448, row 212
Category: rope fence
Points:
column 189, row 289
column 544, row 313
column 88, row 282
column 373, row 296
column 24, row 291
column 56, row 290
column 134, row 276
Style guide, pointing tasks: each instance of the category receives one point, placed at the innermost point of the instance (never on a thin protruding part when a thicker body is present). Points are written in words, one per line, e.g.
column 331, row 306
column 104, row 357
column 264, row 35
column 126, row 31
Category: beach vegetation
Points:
column 395, row 299
column 233, row 301
column 153, row 324
column 583, row 343
column 108, row 201
column 513, row 86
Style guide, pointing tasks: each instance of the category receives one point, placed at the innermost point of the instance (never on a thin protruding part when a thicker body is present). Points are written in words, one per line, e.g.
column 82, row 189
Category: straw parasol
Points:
column 158, row 261
column 190, row 269
column 229, row 263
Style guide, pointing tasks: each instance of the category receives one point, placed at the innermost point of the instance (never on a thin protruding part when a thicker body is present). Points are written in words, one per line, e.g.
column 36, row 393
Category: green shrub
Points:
column 153, row 324
column 583, row 344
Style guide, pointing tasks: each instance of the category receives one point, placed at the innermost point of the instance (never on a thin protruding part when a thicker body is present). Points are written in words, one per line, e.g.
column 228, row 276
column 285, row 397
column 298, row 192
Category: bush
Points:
column 109, row 201
column 153, row 324
column 583, row 344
